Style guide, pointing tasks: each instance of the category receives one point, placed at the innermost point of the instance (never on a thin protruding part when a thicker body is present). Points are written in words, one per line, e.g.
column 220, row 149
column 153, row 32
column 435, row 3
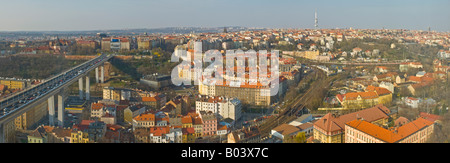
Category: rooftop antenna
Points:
column 316, row 20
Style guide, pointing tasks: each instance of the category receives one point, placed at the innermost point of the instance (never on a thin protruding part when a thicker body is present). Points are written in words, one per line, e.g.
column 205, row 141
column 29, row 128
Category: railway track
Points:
column 296, row 109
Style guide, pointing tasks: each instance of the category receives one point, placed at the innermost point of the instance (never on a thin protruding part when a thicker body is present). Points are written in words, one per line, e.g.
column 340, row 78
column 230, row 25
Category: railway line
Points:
column 298, row 107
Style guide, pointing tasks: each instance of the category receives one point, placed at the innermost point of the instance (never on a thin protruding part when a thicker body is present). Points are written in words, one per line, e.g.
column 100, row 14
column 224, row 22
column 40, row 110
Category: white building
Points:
column 221, row 106
column 112, row 93
column 389, row 86
column 98, row 110
column 175, row 136
column 412, row 102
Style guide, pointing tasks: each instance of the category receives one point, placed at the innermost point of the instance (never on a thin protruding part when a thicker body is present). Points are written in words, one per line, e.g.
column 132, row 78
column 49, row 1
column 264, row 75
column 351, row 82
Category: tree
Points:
column 436, row 111
column 190, row 138
column 300, row 137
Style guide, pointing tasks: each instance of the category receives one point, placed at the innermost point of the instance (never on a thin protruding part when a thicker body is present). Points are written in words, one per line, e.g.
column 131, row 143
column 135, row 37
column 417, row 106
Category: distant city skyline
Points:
column 84, row 15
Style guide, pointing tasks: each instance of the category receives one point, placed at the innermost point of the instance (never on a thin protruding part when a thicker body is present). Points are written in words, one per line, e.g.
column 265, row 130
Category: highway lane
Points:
column 16, row 104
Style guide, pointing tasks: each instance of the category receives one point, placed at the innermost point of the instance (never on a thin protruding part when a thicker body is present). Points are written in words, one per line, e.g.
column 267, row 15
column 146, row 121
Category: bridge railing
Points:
column 5, row 100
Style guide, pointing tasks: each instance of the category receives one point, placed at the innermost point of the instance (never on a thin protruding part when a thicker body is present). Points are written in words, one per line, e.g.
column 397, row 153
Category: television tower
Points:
column 316, row 20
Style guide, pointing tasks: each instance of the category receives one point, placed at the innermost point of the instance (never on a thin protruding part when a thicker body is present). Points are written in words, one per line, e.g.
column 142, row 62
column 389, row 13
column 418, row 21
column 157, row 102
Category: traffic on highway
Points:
column 29, row 95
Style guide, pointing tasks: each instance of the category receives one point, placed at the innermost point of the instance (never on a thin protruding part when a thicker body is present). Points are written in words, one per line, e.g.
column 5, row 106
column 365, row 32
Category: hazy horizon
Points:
column 96, row 30
column 84, row 15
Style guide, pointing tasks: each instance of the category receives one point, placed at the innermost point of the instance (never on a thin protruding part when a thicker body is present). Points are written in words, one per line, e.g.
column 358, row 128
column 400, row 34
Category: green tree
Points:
column 300, row 137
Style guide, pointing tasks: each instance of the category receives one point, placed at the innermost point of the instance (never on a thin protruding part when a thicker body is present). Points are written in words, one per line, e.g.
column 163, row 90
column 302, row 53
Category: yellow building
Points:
column 31, row 117
column 312, row 54
column 309, row 54
column 14, row 84
column 79, row 133
column 255, row 95
column 77, row 136
column 127, row 115
column 417, row 131
column 384, row 95
column 143, row 43
column 359, row 100
column 106, row 44
column 112, row 93
column 132, row 111
column 117, row 94
column 144, row 120
column 331, row 127
column 198, row 127
column 188, row 135
column 87, row 44
column 186, row 122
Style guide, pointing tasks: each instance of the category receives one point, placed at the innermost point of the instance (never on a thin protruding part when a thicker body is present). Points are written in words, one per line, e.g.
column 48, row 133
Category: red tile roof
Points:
column 364, row 95
column 145, row 117
column 379, row 90
column 389, row 136
column 149, row 99
column 331, row 123
column 430, row 117
column 97, row 106
column 186, row 120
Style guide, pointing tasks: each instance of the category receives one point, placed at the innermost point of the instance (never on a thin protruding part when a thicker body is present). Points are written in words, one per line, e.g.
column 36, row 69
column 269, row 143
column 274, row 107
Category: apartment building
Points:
column 221, row 106
column 361, row 131
column 116, row 44
column 14, row 83
column 145, row 120
column 255, row 95
column 116, row 93
column 358, row 100
column 209, row 121
column 330, row 128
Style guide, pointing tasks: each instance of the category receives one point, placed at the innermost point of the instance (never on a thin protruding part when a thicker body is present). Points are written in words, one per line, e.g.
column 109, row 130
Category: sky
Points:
column 79, row 15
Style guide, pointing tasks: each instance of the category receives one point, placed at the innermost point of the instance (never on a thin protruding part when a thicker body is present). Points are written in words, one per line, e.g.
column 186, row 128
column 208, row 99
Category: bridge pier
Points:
column 61, row 109
column 87, row 88
column 96, row 75
column 2, row 134
column 80, row 88
column 7, row 127
column 51, row 110
column 102, row 74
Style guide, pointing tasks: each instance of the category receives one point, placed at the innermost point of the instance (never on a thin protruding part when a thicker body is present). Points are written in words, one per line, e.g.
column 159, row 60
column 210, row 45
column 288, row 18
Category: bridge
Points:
column 21, row 102
column 361, row 63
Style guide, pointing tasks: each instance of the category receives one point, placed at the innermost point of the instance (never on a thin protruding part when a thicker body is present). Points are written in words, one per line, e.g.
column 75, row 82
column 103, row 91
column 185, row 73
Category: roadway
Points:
column 16, row 105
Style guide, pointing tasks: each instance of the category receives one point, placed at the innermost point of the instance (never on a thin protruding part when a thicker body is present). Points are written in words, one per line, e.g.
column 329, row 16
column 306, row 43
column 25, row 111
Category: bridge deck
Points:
column 21, row 102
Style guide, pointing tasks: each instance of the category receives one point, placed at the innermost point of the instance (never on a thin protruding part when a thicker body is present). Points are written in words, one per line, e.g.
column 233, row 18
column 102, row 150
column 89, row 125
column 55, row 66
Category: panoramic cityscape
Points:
column 297, row 75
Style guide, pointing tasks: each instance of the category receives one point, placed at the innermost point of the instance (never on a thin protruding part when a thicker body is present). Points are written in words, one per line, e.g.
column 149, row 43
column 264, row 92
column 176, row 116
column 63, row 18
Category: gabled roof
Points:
column 286, row 129
column 222, row 127
column 187, row 131
column 149, row 99
column 145, row 117
column 390, row 136
column 430, row 117
column 331, row 123
column 364, row 95
column 186, row 120
column 379, row 90
column 97, row 106
column 159, row 131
